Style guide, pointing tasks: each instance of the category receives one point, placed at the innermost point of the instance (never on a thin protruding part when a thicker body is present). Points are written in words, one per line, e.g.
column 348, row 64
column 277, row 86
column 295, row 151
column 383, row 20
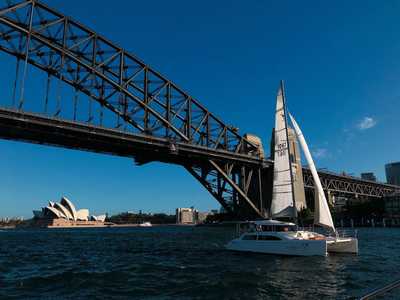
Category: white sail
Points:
column 282, row 193
column 322, row 214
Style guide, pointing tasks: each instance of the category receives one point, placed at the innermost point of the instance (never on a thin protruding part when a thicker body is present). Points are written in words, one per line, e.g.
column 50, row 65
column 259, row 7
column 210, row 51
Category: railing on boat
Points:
column 340, row 232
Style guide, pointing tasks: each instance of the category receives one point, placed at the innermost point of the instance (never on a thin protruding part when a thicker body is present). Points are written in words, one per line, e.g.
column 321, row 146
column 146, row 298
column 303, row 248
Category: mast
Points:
column 288, row 149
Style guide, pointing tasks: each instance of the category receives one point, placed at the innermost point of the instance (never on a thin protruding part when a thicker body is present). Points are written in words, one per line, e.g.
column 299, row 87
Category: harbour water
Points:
column 183, row 263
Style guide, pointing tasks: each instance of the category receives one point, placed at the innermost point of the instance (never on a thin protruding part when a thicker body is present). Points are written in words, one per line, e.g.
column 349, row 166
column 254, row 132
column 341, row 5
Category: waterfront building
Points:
column 186, row 215
column 192, row 216
column 64, row 214
column 393, row 173
column 368, row 176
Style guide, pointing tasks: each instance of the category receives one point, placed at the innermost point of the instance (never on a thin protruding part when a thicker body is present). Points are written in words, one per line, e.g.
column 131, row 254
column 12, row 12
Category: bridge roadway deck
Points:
column 38, row 129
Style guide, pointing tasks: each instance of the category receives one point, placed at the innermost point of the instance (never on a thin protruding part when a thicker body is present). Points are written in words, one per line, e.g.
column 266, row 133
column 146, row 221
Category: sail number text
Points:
column 281, row 149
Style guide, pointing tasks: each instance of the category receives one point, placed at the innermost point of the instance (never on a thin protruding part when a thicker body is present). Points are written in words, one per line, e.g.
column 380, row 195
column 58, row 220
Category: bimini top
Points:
column 273, row 223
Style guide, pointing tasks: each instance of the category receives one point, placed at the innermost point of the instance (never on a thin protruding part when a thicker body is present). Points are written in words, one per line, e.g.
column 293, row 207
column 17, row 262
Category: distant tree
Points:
column 220, row 217
column 131, row 218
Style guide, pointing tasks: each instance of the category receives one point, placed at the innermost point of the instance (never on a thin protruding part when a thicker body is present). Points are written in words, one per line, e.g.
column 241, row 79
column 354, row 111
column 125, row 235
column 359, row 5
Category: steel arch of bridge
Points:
column 138, row 95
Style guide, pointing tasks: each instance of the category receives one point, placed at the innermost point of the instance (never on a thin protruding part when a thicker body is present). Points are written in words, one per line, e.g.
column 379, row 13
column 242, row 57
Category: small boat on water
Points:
column 145, row 224
column 278, row 236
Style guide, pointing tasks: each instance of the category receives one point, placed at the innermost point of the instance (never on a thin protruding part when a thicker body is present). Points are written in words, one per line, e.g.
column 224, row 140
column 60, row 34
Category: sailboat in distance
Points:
column 276, row 235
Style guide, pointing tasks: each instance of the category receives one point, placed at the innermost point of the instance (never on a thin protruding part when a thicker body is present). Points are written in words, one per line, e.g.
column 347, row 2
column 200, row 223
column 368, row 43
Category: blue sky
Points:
column 340, row 62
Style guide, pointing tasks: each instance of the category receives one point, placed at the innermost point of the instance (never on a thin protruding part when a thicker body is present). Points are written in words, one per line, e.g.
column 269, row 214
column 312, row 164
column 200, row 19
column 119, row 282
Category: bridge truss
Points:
column 114, row 89
column 349, row 185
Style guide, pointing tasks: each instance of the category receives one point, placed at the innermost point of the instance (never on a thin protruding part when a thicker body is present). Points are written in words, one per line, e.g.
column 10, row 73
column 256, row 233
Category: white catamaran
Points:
column 279, row 237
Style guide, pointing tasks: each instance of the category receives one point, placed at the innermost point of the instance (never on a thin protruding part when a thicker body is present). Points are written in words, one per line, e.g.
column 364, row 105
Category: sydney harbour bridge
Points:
column 66, row 85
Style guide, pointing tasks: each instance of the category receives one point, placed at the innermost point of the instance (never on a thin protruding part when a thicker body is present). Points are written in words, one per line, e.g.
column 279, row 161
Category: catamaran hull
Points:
column 291, row 247
column 343, row 245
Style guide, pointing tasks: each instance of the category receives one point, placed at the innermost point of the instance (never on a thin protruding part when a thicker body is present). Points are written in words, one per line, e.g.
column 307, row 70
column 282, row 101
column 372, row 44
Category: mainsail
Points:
column 282, row 194
column 322, row 215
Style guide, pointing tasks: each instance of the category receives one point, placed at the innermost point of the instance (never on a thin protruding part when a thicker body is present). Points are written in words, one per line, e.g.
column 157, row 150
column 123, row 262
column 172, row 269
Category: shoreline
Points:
column 80, row 226
column 152, row 225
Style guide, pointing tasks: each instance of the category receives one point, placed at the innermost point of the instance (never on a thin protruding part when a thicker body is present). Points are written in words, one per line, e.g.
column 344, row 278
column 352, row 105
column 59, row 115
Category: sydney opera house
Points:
column 64, row 214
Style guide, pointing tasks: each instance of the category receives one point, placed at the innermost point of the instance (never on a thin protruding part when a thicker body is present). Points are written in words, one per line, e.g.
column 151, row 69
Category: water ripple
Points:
column 182, row 263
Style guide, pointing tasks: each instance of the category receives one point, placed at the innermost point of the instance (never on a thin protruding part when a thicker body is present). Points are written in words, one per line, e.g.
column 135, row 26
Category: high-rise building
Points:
column 393, row 173
column 295, row 158
column 368, row 176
